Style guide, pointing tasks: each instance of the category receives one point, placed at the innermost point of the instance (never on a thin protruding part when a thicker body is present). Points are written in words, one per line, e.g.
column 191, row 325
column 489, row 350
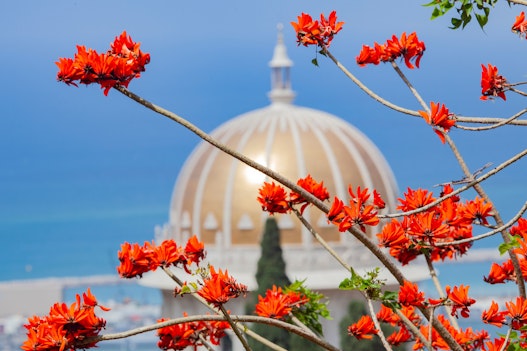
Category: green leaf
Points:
column 456, row 23
column 482, row 20
column 314, row 61
column 512, row 244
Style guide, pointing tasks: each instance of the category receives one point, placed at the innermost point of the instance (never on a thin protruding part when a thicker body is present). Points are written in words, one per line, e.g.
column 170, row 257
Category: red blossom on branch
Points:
column 135, row 260
column 117, row 67
column 65, row 327
column 492, row 83
column 273, row 198
column 311, row 186
column 408, row 47
column 313, row 32
column 520, row 25
column 220, row 287
column 493, row 315
column 409, row 295
column 364, row 328
column 277, row 304
column 361, row 211
column 439, row 117
column 193, row 334
column 460, row 300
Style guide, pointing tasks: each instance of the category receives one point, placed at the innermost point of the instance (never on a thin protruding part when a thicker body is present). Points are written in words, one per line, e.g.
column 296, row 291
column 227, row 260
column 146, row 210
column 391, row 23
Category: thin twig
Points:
column 370, row 245
column 469, row 185
column 321, row 240
column 439, row 289
column 410, row 86
column 495, row 125
column 368, row 90
column 415, row 331
column 380, row 333
column 212, row 318
column 235, row 328
column 247, row 331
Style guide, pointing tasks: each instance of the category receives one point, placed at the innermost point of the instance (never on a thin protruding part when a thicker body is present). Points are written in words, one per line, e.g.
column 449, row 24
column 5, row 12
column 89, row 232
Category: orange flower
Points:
column 398, row 337
column 499, row 274
column 65, row 327
column 89, row 300
column 369, row 55
column 497, row 344
column 273, row 198
column 117, row 67
column 134, row 260
column 520, row 229
column 517, row 312
column 183, row 335
column 194, row 250
column 363, row 328
column 492, row 84
column 311, row 186
column 408, row 47
column 409, row 295
column 310, row 32
column 520, row 24
column 220, row 288
column 386, row 315
column 439, row 117
column 275, row 304
column 460, row 300
column 392, row 235
column 414, row 199
column 427, row 228
column 493, row 316
column 378, row 202
column 166, row 254
column 355, row 214
column 477, row 211
column 336, row 212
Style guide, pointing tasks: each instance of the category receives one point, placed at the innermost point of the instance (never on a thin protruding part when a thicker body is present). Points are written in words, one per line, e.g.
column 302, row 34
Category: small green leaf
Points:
column 512, row 244
column 314, row 61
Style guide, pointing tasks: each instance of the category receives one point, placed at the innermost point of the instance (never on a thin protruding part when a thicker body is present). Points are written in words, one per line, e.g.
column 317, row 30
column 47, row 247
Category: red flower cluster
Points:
column 459, row 299
column 408, row 47
column 361, row 210
column 363, row 328
column 409, row 295
column 117, row 67
column 421, row 232
column 136, row 260
column 220, row 287
column 386, row 315
column 274, row 198
column 515, row 313
column 492, row 83
column 505, row 272
column 520, row 25
column 320, row 33
column 467, row 339
column 277, row 304
column 439, row 117
column 65, row 327
column 181, row 336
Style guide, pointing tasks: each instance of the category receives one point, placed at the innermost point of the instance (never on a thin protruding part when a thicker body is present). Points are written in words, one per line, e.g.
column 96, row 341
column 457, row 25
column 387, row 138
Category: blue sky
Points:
column 209, row 64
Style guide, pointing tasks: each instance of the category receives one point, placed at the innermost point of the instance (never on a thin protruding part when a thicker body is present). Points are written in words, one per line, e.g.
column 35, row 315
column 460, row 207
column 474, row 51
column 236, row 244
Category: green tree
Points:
column 270, row 271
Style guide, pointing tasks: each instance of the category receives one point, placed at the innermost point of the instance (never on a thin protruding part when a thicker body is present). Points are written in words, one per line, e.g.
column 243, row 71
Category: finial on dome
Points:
column 280, row 72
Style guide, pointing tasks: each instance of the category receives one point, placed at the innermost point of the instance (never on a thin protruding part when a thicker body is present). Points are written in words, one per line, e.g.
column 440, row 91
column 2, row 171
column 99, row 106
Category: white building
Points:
column 215, row 196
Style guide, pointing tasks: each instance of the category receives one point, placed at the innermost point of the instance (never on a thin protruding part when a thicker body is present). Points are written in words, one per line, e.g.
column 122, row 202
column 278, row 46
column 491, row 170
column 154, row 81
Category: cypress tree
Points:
column 270, row 271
